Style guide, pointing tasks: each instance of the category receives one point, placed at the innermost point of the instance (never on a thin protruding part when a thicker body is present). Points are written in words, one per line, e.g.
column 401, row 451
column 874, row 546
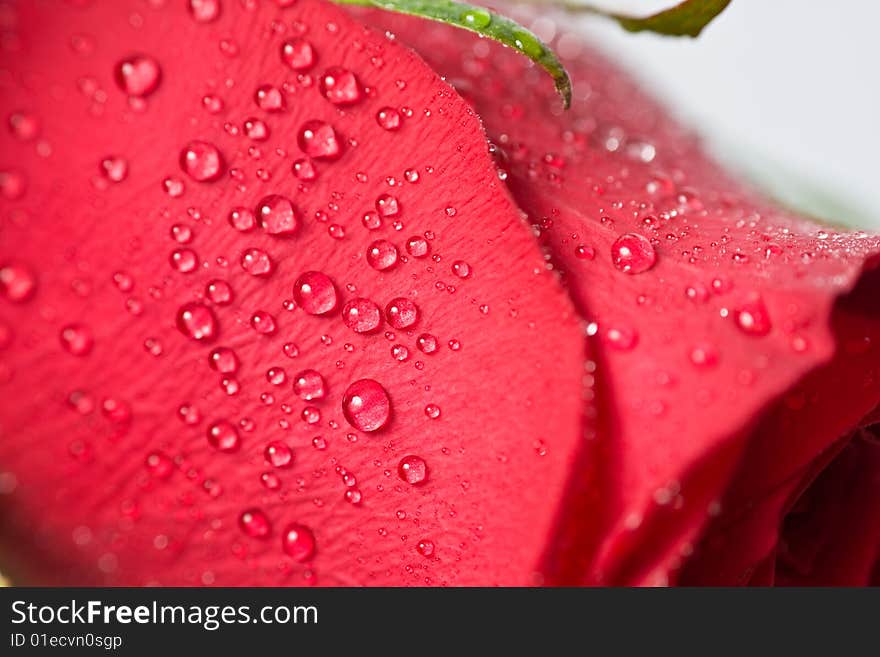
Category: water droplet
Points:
column 270, row 98
column 476, row 18
column 278, row 454
column 388, row 118
column 425, row 548
column 387, row 205
column 218, row 292
column 276, row 376
column 298, row 542
column 224, row 360
column 223, row 436
column 309, row 385
column 704, row 356
column 17, row 283
column 204, row 11
column 24, row 126
column 752, row 318
column 311, row 415
column 77, row 340
column 584, row 252
column 202, row 161
column 184, row 260
column 413, row 470
column 361, row 315
column 114, row 168
column 318, row 140
column 381, row 255
column 401, row 313
column 197, row 321
column 159, row 465
column 270, row 481
column 298, row 54
column 304, row 169
column 255, row 523
column 461, row 269
column 256, row 129
column 315, row 293
column 174, row 187
column 399, row 353
column 622, row 339
column 427, row 343
column 633, row 254
column 340, row 86
column 418, row 247
column 181, row 233
column 138, row 75
column 263, row 323
column 277, row 215
column 432, row 411
column 366, row 405
column 290, row 349
column 257, row 262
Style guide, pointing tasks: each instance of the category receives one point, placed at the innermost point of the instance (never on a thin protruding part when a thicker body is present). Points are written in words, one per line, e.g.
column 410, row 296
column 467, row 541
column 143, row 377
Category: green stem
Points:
column 486, row 23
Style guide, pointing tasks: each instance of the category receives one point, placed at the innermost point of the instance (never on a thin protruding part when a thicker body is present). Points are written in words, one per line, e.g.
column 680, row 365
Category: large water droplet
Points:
column 381, row 255
column 17, row 282
column 309, row 385
column 388, row 118
column 413, row 469
column 277, row 215
column 263, row 323
column 257, row 262
column 202, row 161
column 224, row 360
column 401, row 313
column 340, row 86
column 366, row 405
column 752, row 318
column 77, row 340
column 361, row 315
column 219, row 292
column 633, row 254
column 318, row 140
column 269, row 98
column 224, row 436
column 197, row 321
column 298, row 54
column 278, row 454
column 255, row 523
column 315, row 293
column 298, row 542
column 138, row 75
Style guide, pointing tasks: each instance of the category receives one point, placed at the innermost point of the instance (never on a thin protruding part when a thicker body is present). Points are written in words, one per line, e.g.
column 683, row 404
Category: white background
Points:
column 787, row 91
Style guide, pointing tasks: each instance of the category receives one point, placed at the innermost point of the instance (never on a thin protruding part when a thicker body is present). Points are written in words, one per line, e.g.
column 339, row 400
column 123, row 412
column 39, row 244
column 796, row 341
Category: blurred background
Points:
column 787, row 91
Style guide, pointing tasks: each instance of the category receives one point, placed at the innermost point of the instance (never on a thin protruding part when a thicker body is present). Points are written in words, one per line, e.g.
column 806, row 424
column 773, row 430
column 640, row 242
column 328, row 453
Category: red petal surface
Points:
column 160, row 422
column 725, row 372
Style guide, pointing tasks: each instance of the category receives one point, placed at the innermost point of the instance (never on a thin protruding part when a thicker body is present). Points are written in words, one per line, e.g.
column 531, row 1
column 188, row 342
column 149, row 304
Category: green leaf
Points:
column 486, row 23
column 687, row 18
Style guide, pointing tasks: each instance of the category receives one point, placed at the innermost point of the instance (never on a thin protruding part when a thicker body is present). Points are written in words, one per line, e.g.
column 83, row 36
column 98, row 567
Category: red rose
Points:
column 273, row 315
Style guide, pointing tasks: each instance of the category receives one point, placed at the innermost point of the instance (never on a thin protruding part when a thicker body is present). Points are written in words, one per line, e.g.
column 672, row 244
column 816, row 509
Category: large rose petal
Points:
column 159, row 421
column 711, row 311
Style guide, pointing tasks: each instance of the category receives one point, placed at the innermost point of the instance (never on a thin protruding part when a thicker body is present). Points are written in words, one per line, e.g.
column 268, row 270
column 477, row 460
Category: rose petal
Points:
column 135, row 453
column 709, row 307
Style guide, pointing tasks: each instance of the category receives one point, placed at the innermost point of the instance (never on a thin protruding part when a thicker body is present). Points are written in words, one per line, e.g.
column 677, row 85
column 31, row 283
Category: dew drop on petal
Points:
column 388, row 118
column 401, row 313
column 298, row 542
column 223, row 436
column 304, row 169
column 197, row 321
column 138, row 75
column 204, row 11
column 218, row 292
column 315, row 293
column 17, row 282
column 366, row 405
column 114, row 168
column 77, row 340
column 319, row 140
column 387, row 205
column 256, row 129
column 340, row 86
column 263, row 323
column 633, row 254
column 418, row 247
column 277, row 215
column 309, row 385
column 159, row 465
column 752, row 318
column 425, row 548
column 461, row 269
column 257, row 262
column 298, row 54
column 242, row 219
column 269, row 98
column 255, row 523
column 184, row 260
column 202, row 161
column 224, row 360
column 382, row 255
column 278, row 454
column 361, row 315
column 413, row 470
